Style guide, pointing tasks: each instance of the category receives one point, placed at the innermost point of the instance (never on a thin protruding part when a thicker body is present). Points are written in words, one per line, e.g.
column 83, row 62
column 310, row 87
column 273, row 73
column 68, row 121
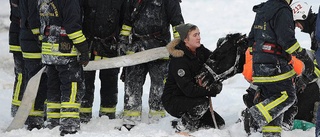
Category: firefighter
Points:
column 15, row 49
column 65, row 52
column 148, row 23
column 31, row 51
column 101, row 26
column 307, row 91
column 273, row 40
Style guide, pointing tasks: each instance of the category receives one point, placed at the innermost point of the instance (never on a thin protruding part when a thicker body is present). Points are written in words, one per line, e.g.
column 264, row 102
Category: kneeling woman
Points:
column 183, row 97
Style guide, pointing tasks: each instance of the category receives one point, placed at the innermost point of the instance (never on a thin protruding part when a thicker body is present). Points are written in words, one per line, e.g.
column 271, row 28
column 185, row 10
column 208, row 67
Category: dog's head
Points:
column 229, row 54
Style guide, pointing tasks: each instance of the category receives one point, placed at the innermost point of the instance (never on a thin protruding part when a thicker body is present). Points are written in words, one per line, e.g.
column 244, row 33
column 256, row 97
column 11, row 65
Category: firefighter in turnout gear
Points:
column 15, row 49
column 308, row 94
column 31, row 51
column 273, row 40
column 147, row 22
column 183, row 97
column 301, row 112
column 65, row 52
column 101, row 26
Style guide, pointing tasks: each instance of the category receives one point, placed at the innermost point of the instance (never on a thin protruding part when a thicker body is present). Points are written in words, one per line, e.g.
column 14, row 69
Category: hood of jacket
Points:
column 172, row 50
column 266, row 10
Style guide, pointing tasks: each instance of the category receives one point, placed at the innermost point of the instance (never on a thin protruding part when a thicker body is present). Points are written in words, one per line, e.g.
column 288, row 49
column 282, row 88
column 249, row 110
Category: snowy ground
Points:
column 215, row 19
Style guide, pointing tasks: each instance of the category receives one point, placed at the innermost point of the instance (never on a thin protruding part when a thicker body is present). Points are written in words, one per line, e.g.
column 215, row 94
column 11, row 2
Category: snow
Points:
column 215, row 18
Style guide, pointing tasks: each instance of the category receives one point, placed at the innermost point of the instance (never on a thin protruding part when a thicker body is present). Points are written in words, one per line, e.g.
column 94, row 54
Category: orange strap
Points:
column 297, row 64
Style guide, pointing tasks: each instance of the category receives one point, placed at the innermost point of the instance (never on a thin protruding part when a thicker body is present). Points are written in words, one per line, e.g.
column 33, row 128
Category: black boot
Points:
column 64, row 132
column 249, row 123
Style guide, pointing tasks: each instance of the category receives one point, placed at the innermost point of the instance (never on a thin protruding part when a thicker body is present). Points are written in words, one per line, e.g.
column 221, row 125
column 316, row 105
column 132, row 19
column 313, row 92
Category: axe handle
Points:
column 212, row 113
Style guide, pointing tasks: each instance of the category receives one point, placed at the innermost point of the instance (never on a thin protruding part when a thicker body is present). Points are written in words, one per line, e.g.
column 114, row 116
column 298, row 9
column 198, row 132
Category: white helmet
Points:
column 300, row 10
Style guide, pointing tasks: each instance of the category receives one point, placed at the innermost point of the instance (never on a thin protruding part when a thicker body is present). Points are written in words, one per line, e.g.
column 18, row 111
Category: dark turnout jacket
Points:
column 273, row 40
column 152, row 18
column 102, row 18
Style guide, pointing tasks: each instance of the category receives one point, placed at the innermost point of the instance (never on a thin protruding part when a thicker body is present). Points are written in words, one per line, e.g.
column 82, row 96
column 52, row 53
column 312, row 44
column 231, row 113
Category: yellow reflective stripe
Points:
column 166, row 58
column 16, row 102
column 85, row 110
column 131, row 113
column 107, row 110
column 264, row 112
column 99, row 58
column 157, row 113
column 17, row 88
column 129, row 52
column 264, row 109
column 126, row 27
column 250, row 49
column 29, row 55
column 40, row 37
column 70, row 105
column 15, row 48
column 35, row 31
column 79, row 40
column 75, row 35
column 74, row 89
column 53, row 115
column 273, row 129
column 53, row 49
column 69, row 115
column 126, row 30
column 176, row 35
column 316, row 71
column 175, row 32
column 36, row 113
column 274, row 78
column 293, row 48
column 278, row 101
column 53, row 105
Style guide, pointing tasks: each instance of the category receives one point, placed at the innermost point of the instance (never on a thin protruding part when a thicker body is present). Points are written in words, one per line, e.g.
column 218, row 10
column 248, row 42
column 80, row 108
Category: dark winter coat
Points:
column 29, row 14
column 29, row 24
column 183, row 68
column 152, row 19
column 273, row 24
column 102, row 18
column 14, row 26
column 61, row 27
column 101, row 25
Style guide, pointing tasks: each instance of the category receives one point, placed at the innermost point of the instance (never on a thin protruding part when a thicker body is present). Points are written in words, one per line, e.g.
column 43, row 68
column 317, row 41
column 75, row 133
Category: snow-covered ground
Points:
column 215, row 18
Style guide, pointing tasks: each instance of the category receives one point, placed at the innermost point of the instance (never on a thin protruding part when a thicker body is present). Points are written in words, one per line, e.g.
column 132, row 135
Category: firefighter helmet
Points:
column 300, row 10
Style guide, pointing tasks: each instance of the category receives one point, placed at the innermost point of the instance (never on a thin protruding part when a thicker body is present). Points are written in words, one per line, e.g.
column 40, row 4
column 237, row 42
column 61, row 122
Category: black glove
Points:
column 308, row 63
column 214, row 88
column 301, row 83
column 83, row 48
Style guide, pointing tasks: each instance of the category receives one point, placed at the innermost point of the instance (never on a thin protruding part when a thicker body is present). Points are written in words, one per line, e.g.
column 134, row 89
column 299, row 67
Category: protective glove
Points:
column 308, row 63
column 301, row 83
column 214, row 88
column 83, row 48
